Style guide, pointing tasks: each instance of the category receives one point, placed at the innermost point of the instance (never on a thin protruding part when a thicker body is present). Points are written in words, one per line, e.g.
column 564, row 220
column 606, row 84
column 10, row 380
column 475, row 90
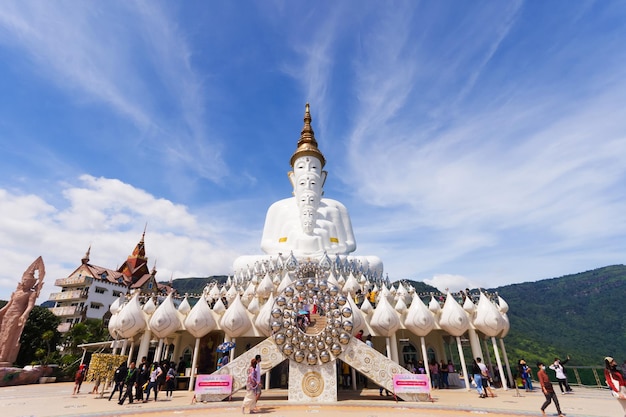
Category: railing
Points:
column 73, row 281
column 67, row 311
column 69, row 295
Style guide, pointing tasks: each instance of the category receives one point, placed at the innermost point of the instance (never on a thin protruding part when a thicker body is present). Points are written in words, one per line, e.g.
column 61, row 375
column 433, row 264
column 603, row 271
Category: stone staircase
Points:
column 317, row 324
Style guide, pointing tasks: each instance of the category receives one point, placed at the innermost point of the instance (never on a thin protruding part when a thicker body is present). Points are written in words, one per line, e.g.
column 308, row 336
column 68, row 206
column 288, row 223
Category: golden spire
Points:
column 307, row 145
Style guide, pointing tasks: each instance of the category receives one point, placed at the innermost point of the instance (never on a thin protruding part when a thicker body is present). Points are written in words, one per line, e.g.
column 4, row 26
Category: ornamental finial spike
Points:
column 307, row 145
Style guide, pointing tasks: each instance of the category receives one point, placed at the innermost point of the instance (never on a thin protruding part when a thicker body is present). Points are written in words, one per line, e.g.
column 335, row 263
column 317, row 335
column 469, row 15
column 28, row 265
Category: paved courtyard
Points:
column 56, row 399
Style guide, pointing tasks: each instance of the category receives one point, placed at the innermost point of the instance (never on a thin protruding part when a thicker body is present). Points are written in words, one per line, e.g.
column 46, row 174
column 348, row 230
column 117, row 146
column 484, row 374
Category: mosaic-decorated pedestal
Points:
column 312, row 384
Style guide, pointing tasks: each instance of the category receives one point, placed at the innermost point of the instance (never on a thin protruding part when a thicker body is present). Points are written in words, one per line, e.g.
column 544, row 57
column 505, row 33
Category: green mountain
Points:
column 581, row 315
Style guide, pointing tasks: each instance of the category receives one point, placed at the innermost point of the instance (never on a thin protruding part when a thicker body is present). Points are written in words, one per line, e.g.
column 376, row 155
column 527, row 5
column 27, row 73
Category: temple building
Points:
column 308, row 304
column 90, row 290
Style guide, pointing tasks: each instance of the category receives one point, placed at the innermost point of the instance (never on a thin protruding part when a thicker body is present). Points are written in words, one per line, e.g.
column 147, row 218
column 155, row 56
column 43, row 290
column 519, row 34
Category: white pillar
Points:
column 394, row 349
column 477, row 352
column 157, row 354
column 500, row 370
column 167, row 349
column 463, row 366
column 353, row 373
column 425, row 357
column 231, row 353
column 194, row 363
column 487, row 358
column 124, row 346
column 506, row 360
column 130, row 353
column 144, row 346
column 177, row 348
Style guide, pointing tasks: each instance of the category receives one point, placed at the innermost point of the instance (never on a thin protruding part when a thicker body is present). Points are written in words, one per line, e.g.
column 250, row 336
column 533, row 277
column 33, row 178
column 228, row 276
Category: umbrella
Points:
column 225, row 347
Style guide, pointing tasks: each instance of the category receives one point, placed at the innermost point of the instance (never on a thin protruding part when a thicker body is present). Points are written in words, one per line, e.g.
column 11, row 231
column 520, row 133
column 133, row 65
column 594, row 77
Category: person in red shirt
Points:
column 615, row 381
column 547, row 389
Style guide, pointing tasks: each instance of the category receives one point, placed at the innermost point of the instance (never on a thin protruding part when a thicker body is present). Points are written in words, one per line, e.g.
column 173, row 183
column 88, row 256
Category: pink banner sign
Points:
column 411, row 384
column 214, row 384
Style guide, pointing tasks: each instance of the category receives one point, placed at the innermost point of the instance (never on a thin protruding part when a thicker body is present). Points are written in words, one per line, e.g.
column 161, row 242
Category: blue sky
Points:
column 474, row 143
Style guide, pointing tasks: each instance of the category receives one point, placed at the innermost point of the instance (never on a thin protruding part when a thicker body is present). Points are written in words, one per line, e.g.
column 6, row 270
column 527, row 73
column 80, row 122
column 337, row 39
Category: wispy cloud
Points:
column 128, row 57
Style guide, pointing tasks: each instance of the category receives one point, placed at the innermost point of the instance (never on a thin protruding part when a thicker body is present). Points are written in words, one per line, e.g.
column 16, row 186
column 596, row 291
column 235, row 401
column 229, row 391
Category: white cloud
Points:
column 452, row 283
column 110, row 216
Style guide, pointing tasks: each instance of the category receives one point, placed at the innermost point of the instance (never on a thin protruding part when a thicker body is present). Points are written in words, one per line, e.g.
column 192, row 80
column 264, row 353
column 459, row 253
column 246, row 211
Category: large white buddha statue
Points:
column 306, row 224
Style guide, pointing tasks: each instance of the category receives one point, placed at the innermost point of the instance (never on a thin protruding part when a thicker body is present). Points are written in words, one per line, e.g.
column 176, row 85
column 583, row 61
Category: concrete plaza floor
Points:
column 56, row 399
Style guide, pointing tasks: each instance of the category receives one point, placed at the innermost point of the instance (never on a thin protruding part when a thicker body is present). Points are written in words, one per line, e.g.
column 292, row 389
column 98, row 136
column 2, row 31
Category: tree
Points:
column 89, row 331
column 40, row 320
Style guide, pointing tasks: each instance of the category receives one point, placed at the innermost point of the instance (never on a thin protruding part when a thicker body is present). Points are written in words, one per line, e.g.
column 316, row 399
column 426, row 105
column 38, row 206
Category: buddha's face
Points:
column 307, row 182
column 307, row 164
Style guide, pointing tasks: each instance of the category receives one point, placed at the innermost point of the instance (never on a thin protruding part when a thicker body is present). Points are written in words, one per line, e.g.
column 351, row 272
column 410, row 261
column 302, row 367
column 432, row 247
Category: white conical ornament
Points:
column 341, row 280
column 488, row 319
column 358, row 319
column 113, row 325
column 117, row 304
column 434, row 305
column 149, row 307
column 403, row 293
column 131, row 319
column 229, row 281
column 263, row 319
column 231, row 293
column 351, row 285
column 393, row 290
column 284, row 283
column 332, row 279
column 366, row 307
column 248, row 294
column 219, row 307
column 469, row 306
column 200, row 321
column 223, row 291
column 265, row 287
column 503, row 305
column 184, row 308
column 254, row 306
column 235, row 320
column 419, row 319
column 506, row 326
column 384, row 292
column 453, row 318
column 401, row 306
column 165, row 319
column 385, row 320
column 214, row 293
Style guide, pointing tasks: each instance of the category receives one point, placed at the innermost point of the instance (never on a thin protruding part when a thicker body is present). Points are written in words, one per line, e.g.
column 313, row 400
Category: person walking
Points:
column 170, row 381
column 259, row 386
column 526, row 374
column 155, row 374
column 547, row 389
column 616, row 381
column 561, row 376
column 79, row 378
column 118, row 379
column 130, row 381
column 249, row 401
column 143, row 374
column 478, row 379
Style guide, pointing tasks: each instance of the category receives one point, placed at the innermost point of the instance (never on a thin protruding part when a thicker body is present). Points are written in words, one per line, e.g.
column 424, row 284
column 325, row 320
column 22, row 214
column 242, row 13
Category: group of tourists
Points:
column 137, row 382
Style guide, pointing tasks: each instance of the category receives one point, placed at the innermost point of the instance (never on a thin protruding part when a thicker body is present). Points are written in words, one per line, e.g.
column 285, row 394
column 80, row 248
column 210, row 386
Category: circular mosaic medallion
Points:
column 312, row 384
column 290, row 317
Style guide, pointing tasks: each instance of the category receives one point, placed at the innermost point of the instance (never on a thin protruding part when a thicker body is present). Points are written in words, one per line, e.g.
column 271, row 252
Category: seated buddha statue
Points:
column 306, row 224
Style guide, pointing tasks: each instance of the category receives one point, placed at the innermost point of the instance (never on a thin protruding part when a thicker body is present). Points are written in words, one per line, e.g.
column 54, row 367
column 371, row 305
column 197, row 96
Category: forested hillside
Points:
column 581, row 315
